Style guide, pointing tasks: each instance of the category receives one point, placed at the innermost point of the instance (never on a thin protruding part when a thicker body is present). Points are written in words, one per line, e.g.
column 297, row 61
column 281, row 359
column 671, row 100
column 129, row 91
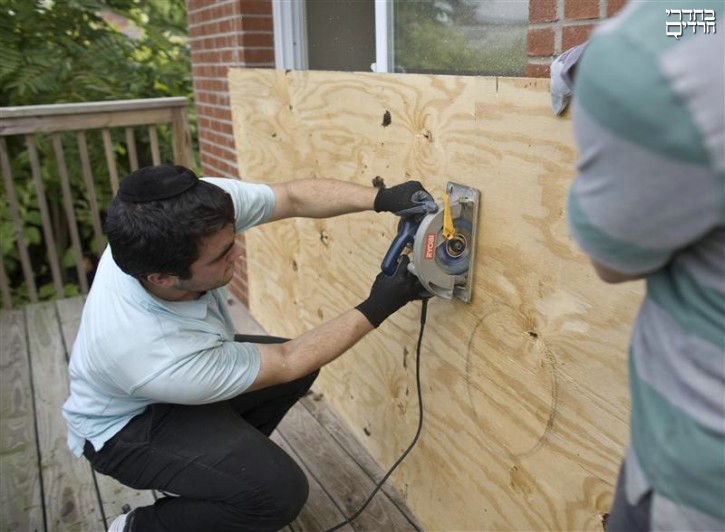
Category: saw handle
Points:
column 406, row 234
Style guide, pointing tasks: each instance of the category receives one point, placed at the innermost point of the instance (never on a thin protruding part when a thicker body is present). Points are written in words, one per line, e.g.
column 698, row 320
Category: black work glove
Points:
column 390, row 293
column 397, row 198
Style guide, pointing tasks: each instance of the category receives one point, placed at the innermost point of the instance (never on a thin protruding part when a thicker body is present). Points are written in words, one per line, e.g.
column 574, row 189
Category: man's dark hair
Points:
column 164, row 235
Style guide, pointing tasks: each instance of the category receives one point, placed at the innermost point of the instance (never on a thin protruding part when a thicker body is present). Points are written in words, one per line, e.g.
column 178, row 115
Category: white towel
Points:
column 562, row 79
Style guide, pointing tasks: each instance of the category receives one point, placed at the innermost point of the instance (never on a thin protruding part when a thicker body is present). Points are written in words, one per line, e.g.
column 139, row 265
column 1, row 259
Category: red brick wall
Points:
column 557, row 25
column 224, row 34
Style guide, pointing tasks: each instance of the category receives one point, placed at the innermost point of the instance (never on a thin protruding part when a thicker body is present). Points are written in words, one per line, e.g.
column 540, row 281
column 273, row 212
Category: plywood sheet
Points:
column 525, row 389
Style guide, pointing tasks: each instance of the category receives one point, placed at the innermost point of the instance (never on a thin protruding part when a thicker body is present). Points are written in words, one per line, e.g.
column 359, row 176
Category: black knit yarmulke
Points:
column 156, row 183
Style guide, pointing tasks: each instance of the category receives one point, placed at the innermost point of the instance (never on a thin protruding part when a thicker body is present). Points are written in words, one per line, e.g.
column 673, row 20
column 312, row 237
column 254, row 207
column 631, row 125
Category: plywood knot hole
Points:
column 366, row 431
column 378, row 182
column 533, row 334
column 295, row 267
column 387, row 119
column 427, row 134
column 324, row 238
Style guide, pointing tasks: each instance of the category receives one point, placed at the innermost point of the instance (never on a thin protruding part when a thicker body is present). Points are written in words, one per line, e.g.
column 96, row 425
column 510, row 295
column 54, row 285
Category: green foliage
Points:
column 66, row 51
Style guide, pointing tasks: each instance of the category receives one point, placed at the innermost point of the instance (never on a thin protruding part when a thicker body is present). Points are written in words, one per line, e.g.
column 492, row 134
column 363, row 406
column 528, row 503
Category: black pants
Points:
column 623, row 516
column 218, row 458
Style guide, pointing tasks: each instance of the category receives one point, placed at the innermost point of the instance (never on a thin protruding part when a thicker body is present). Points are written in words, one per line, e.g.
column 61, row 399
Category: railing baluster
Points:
column 181, row 139
column 17, row 222
column 70, row 211
column 91, row 189
column 154, row 137
column 110, row 159
column 45, row 217
column 131, row 147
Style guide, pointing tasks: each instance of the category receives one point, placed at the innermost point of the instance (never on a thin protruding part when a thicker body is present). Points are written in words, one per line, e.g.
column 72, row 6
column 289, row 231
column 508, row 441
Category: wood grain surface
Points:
column 525, row 388
column 71, row 500
column 21, row 507
column 343, row 479
column 320, row 512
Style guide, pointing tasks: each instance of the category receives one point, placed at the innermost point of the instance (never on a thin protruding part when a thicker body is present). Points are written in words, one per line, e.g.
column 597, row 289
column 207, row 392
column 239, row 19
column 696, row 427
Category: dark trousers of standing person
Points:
column 625, row 517
column 217, row 458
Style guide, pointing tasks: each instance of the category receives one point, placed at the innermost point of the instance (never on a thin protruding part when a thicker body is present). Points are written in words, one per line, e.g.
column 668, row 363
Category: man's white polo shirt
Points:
column 134, row 349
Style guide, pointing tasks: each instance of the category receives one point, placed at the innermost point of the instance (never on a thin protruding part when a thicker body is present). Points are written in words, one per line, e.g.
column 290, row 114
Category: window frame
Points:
column 290, row 35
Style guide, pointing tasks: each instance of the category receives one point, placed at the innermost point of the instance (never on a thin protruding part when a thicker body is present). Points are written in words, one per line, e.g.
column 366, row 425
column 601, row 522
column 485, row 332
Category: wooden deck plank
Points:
column 344, row 480
column 69, row 313
column 320, row 512
column 21, row 505
column 339, row 432
column 113, row 494
column 70, row 497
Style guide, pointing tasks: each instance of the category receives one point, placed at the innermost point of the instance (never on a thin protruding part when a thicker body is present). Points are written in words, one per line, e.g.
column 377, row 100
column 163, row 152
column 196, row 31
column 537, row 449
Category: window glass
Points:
column 340, row 34
column 476, row 37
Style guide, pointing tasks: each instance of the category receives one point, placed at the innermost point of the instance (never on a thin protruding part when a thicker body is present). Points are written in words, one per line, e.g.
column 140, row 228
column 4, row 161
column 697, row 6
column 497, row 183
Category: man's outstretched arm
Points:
column 321, row 345
column 324, row 198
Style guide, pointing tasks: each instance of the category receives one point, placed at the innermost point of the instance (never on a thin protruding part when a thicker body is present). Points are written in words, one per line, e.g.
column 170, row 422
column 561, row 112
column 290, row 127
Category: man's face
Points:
column 215, row 265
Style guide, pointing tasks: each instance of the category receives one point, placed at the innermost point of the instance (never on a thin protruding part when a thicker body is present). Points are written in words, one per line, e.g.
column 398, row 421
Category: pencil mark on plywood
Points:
column 517, row 393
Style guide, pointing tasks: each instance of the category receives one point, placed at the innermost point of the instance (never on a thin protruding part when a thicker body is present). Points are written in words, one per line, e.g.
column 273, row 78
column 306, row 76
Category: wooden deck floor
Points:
column 43, row 487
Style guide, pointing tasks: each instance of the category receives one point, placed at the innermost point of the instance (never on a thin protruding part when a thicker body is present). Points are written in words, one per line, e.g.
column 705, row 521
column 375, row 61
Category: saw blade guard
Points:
column 444, row 265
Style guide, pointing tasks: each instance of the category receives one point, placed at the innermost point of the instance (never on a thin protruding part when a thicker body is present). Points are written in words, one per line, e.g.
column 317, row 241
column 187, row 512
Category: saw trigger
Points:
column 406, row 234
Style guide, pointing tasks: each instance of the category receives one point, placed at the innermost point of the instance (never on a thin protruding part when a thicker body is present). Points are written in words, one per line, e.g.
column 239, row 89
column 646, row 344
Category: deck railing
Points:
column 34, row 142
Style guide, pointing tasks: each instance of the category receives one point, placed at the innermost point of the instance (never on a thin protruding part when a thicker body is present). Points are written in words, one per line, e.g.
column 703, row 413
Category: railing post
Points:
column 181, row 137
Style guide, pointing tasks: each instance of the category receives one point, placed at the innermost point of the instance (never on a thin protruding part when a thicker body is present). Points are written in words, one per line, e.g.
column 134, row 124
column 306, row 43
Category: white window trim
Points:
column 290, row 34
column 383, row 36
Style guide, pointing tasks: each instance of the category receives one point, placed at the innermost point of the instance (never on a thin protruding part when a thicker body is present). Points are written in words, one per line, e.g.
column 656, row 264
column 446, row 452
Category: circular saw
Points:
column 442, row 236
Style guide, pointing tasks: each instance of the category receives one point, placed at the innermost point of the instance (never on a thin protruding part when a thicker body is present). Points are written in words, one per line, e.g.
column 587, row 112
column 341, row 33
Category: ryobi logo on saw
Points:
column 430, row 246
column 441, row 238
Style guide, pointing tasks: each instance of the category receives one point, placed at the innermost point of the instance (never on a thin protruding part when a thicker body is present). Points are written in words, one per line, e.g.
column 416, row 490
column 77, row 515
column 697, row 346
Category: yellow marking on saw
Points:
column 448, row 230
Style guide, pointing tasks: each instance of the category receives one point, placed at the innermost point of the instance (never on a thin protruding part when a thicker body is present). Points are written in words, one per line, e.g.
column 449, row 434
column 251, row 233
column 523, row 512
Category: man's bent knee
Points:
column 291, row 504
column 277, row 503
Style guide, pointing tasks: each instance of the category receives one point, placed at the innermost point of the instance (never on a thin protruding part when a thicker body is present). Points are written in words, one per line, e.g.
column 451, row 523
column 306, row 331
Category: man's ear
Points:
column 162, row 280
